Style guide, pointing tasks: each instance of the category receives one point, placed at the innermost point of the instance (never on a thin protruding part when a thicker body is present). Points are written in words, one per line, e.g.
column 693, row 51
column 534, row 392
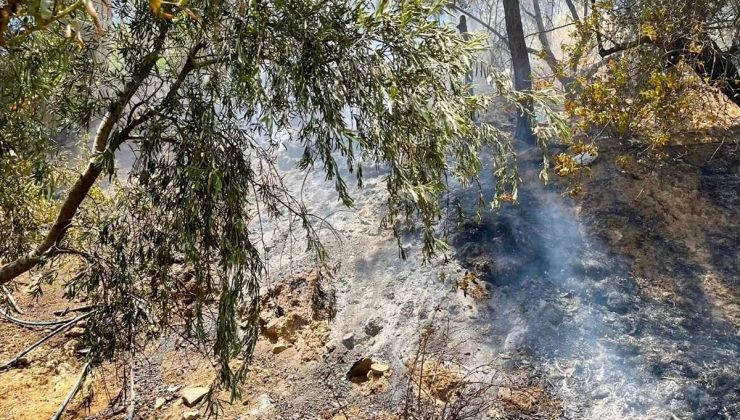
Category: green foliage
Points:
column 664, row 61
column 35, row 79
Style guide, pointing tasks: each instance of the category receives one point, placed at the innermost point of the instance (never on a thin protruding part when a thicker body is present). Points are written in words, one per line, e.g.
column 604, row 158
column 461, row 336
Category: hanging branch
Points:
column 87, row 179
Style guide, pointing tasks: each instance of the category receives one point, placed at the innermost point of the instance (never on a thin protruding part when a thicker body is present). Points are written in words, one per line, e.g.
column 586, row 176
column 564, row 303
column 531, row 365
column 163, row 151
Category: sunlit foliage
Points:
column 664, row 61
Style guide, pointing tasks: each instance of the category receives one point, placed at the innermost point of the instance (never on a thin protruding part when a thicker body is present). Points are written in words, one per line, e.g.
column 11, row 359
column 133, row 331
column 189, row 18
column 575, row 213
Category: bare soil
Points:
column 622, row 302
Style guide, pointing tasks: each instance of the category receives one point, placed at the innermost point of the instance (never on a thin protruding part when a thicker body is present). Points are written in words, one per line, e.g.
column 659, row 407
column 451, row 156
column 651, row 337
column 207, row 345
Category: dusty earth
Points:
column 622, row 302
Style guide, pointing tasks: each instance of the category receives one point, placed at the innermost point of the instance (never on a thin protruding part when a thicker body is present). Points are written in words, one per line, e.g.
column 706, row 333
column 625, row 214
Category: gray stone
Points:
column 584, row 159
column 263, row 405
column 76, row 332
column 349, row 341
column 359, row 370
column 373, row 327
column 379, row 368
column 279, row 348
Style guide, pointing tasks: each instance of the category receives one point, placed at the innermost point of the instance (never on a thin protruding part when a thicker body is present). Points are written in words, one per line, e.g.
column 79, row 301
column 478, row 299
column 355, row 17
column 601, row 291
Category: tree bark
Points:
column 549, row 56
column 463, row 28
column 522, row 68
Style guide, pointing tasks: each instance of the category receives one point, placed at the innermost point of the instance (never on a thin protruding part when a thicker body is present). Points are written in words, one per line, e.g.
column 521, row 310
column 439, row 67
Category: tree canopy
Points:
column 206, row 95
column 644, row 68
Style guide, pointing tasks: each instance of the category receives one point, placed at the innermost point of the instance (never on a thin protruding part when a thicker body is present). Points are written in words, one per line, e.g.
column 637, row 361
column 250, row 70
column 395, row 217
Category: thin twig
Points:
column 7, row 365
column 550, row 30
column 717, row 150
column 72, row 392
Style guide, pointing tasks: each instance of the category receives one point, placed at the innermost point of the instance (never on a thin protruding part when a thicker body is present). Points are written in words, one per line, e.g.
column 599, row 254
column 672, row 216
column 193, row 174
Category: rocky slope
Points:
column 619, row 303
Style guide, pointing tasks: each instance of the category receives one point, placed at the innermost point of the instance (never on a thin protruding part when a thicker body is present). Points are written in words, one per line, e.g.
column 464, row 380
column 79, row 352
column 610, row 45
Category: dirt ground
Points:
column 37, row 388
column 672, row 222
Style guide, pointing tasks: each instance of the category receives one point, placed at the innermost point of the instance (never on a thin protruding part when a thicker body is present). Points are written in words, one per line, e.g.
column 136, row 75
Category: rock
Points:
column 262, row 405
column 379, row 368
column 600, row 393
column 75, row 332
column 330, row 347
column 174, row 388
column 373, row 327
column 159, row 402
column 349, row 341
column 191, row 415
column 193, row 395
column 272, row 329
column 63, row 369
column 71, row 346
column 279, row 348
column 584, row 159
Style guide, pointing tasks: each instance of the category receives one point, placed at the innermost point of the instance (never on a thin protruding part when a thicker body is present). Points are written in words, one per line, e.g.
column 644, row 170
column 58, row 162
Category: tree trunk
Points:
column 463, row 28
column 88, row 178
column 573, row 11
column 522, row 68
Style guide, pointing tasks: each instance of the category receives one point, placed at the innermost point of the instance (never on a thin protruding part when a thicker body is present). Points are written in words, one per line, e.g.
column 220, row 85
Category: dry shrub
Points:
column 472, row 285
column 439, row 387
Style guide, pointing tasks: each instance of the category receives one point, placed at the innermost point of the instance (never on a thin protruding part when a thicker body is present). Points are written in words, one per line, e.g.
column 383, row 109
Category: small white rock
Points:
column 584, row 159
column 191, row 415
